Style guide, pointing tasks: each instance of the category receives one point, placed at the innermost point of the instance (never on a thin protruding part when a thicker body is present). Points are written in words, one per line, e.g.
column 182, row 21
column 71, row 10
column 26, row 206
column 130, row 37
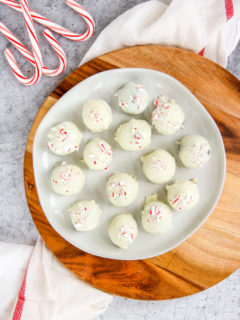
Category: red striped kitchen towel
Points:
column 45, row 290
column 210, row 28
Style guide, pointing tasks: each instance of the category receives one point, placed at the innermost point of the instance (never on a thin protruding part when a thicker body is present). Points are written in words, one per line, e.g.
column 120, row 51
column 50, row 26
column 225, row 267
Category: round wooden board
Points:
column 213, row 252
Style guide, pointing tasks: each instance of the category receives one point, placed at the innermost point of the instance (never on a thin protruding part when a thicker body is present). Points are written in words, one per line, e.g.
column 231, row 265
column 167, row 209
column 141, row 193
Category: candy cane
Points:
column 59, row 51
column 55, row 27
column 28, row 55
column 35, row 47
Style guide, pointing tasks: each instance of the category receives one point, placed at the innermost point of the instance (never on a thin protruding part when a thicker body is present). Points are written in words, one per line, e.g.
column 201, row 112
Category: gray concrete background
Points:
column 18, row 107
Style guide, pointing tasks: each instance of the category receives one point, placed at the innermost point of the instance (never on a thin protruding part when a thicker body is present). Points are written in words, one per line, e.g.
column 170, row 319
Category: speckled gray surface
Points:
column 19, row 105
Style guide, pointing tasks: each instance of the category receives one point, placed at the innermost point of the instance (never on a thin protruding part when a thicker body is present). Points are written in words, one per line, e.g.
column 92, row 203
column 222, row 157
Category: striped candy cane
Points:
column 55, row 27
column 59, row 51
column 35, row 47
column 28, row 55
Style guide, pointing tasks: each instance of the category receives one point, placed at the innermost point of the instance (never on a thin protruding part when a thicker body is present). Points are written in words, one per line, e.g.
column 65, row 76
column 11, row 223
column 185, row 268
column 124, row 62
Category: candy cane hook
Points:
column 59, row 51
column 28, row 55
column 55, row 27
column 35, row 47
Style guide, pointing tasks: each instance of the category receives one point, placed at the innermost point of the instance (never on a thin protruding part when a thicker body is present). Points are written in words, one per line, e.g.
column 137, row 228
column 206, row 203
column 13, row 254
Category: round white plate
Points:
column 197, row 121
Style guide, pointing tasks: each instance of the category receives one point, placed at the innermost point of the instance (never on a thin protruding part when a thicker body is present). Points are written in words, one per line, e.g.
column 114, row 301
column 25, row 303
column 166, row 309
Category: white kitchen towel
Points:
column 46, row 290
column 208, row 27
column 49, row 291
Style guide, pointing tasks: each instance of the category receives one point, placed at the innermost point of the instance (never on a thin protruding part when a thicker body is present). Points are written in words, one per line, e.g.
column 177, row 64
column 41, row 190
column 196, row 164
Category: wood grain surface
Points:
column 213, row 252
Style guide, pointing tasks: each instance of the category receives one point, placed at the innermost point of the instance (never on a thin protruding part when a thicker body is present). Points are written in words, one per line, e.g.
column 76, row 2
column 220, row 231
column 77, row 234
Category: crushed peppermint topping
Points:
column 63, row 137
column 95, row 116
column 138, row 137
column 107, row 150
column 154, row 214
column 161, row 115
column 118, row 190
column 68, row 178
column 50, row 145
column 127, row 233
column 136, row 97
column 199, row 153
column 181, row 200
column 99, row 153
column 158, row 164
column 80, row 215
column 65, row 176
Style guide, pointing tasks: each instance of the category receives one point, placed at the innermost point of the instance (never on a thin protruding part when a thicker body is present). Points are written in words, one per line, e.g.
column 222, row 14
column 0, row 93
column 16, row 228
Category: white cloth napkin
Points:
column 48, row 291
column 208, row 27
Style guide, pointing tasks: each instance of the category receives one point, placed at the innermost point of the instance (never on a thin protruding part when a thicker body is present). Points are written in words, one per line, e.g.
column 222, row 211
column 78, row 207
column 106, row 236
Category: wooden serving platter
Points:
column 213, row 252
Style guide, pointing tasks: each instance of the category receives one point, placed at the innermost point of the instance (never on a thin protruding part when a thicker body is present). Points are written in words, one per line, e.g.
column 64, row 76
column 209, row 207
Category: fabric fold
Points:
column 46, row 290
column 209, row 27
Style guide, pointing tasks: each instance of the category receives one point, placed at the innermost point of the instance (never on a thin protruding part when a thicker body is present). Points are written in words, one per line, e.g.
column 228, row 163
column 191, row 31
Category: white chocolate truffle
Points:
column 67, row 179
column 156, row 217
column 85, row 215
column 123, row 230
column 183, row 195
column 194, row 151
column 97, row 154
column 134, row 135
column 159, row 166
column 132, row 98
column 122, row 189
column 97, row 115
column 167, row 116
column 64, row 138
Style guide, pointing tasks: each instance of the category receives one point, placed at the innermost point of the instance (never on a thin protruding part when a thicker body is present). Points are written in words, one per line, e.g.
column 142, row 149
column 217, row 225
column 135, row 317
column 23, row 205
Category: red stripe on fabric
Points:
column 229, row 9
column 201, row 53
column 21, row 299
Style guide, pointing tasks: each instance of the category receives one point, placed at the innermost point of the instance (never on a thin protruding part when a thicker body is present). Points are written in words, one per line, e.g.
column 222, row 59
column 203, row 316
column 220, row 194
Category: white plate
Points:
column 197, row 121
